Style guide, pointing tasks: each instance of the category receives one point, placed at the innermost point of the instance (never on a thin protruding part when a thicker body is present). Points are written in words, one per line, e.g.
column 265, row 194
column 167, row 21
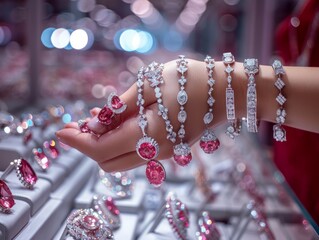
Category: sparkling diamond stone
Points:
column 229, row 69
column 277, row 66
column 6, row 197
column 182, row 68
column 182, row 115
column 281, row 99
column 181, row 133
column 27, row 173
column 182, row 97
column 228, row 58
column 142, row 123
column 105, row 115
column 210, row 101
column 208, row 118
column 251, row 66
column 279, row 133
column 279, row 84
column 211, row 82
column 155, row 173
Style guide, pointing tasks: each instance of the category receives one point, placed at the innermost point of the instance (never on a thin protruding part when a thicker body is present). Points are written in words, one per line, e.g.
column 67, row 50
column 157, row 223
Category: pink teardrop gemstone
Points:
column 27, row 172
column 116, row 102
column 90, row 222
column 209, row 146
column 183, row 160
column 155, row 172
column 105, row 115
column 6, row 198
column 147, row 150
column 110, row 205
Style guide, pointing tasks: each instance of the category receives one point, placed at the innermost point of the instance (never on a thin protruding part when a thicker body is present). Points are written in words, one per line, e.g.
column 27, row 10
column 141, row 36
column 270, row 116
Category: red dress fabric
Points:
column 298, row 158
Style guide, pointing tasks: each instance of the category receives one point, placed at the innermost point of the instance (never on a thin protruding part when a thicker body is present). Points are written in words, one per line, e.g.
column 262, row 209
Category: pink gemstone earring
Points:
column 24, row 171
column 147, row 148
column 6, row 198
column 209, row 142
column 182, row 151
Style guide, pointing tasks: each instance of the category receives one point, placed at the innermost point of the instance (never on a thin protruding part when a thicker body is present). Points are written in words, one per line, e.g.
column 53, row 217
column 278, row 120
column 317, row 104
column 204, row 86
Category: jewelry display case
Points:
column 235, row 193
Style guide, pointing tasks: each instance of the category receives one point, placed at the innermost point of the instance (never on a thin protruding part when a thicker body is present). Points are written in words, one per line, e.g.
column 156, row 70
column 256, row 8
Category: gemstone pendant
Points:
column 155, row 173
column 147, row 148
column 209, row 142
column 182, row 154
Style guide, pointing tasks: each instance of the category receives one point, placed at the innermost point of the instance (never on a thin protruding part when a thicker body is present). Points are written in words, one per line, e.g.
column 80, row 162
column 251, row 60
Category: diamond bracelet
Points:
column 279, row 133
column 251, row 69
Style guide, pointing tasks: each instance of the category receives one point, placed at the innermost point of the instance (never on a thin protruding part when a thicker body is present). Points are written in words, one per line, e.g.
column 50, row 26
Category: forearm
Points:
column 301, row 90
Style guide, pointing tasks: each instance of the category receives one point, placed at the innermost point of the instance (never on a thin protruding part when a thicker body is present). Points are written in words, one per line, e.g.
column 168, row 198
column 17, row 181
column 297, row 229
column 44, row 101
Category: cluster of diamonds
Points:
column 182, row 151
column 210, row 65
column 279, row 133
column 146, row 141
column 251, row 69
column 147, row 148
column 86, row 224
column 232, row 130
column 177, row 215
column 209, row 142
column 207, row 228
column 153, row 73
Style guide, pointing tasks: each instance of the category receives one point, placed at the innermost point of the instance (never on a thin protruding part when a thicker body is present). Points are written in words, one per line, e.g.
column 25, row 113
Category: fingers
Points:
column 122, row 163
column 129, row 98
column 112, row 146
column 95, row 111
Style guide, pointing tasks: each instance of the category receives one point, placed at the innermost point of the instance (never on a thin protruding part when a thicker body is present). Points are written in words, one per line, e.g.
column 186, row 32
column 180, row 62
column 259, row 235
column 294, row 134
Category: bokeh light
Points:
column 79, row 39
column 60, row 38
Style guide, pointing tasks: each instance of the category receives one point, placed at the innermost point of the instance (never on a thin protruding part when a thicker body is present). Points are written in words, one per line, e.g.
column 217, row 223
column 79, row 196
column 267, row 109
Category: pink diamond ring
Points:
column 177, row 215
column 113, row 107
column 86, row 224
column 6, row 198
column 24, row 171
column 107, row 210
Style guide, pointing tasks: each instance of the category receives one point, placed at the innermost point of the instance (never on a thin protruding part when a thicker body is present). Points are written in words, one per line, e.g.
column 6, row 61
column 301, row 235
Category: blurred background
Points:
column 82, row 49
